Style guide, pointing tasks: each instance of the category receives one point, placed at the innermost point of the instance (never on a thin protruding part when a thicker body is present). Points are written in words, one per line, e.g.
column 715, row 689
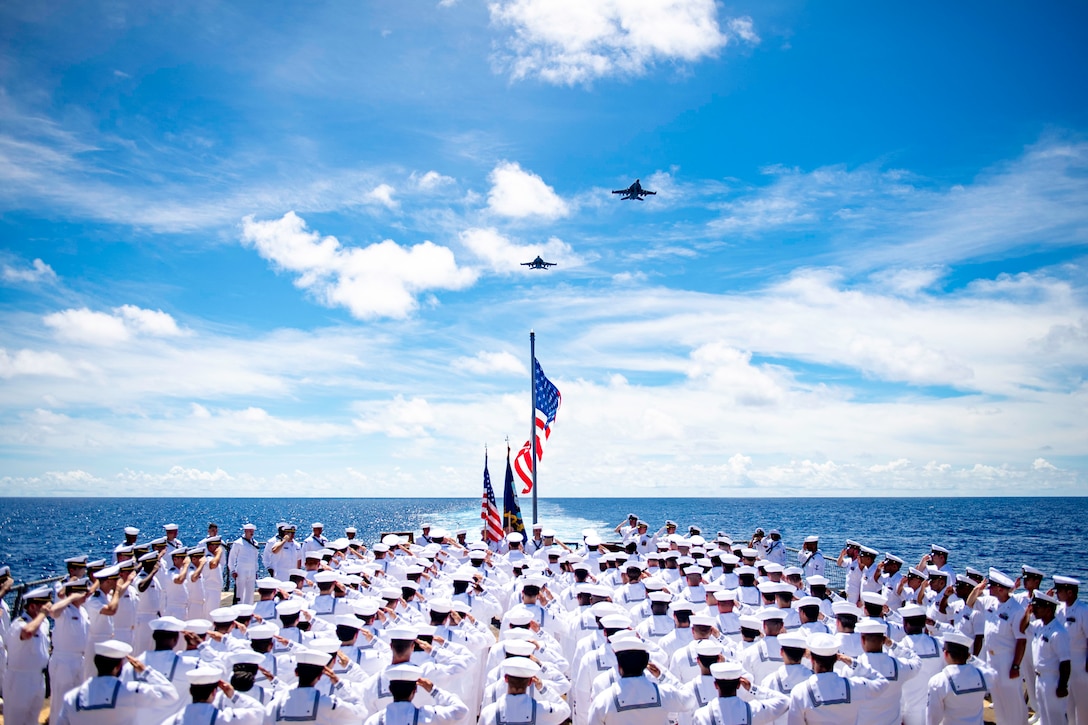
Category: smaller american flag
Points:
column 490, row 513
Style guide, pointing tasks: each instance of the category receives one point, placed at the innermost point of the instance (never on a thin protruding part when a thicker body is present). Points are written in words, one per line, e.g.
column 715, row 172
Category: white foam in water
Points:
column 568, row 528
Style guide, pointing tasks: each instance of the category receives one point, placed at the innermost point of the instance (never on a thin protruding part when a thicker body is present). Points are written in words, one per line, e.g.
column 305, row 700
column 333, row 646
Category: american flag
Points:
column 490, row 512
column 548, row 401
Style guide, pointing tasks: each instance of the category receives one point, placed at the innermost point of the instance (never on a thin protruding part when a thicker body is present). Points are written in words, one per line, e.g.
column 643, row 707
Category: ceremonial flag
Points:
column 490, row 512
column 548, row 401
column 511, row 510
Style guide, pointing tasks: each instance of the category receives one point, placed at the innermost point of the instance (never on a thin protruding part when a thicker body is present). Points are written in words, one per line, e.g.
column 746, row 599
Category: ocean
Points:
column 37, row 534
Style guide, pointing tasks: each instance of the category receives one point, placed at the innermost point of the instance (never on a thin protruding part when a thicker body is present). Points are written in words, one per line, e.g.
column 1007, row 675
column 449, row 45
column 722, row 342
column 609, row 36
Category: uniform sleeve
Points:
column 1060, row 640
column 767, row 706
column 343, row 711
column 868, row 689
column 448, row 706
column 674, row 696
column 154, row 690
column 910, row 664
column 552, row 712
column 935, row 700
column 702, row 716
column 796, row 714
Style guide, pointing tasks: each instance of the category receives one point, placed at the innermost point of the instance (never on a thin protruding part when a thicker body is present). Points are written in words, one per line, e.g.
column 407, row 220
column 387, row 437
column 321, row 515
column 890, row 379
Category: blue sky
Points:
column 273, row 248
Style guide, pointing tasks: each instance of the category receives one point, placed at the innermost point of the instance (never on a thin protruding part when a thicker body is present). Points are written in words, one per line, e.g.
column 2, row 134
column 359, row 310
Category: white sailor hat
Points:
column 682, row 605
column 442, row 606
column 249, row 527
column 793, row 571
column 315, row 554
column 773, row 568
column 972, row 571
column 520, row 667
column 868, row 551
column 964, row 579
column 659, row 596
column 957, row 637
column 222, row 615
column 514, row 537
column 261, row 631
column 350, row 530
column 727, row 670
column 217, row 539
column 748, row 553
column 793, row 639
column 380, row 548
column 935, row 549
column 392, row 540
column 852, row 543
column 518, row 647
column 840, row 608
column 725, row 595
column 150, row 556
column 198, row 626
column 912, row 610
column 170, row 527
column 708, row 648
column 408, row 584
column 112, row 648
column 935, row 573
column 871, row 626
column 243, row 610
column 311, row 657
column 1065, row 581
column 918, row 573
column 1029, row 570
column 402, row 633
column 123, row 549
column 892, row 557
column 697, row 540
column 823, row 645
column 268, row 583
column 702, row 620
column 328, row 645
column 874, row 598
column 245, row 657
column 742, row 570
column 288, row 587
column 366, row 606
column 811, row 539
column 348, row 620
column 80, row 560
column 818, row 580
column 297, row 572
column 772, row 532
column 81, row 583
column 167, row 624
column 131, row 531
column 629, row 644
column 770, row 613
column 325, row 577
column 808, row 602
column 767, row 587
column 390, row 592
column 693, row 571
column 460, row 532
column 5, row 570
column 404, row 673
column 592, row 541
column 317, row 525
column 205, row 675
column 288, row 607
column 1044, row 597
column 747, row 621
column 519, row 617
column 108, row 573
column 196, row 551
column 40, row 593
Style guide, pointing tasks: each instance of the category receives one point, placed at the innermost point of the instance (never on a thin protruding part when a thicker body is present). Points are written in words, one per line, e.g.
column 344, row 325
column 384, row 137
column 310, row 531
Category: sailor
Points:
column 101, row 608
column 6, row 582
column 204, row 686
column 826, row 697
column 131, row 534
column 775, row 548
column 105, row 699
column 1004, row 645
column 849, row 560
column 517, row 705
column 764, row 705
column 1051, row 653
column 27, row 643
column 175, row 593
column 938, row 557
column 536, row 543
column 897, row 667
column 404, row 681
column 809, row 558
column 1074, row 615
column 242, row 562
column 315, row 541
column 304, row 703
column 282, row 553
column 172, row 540
column 76, row 567
column 70, row 630
column 636, row 699
column 765, row 656
column 929, row 651
column 624, row 528
column 956, row 692
column 792, row 672
column 809, row 612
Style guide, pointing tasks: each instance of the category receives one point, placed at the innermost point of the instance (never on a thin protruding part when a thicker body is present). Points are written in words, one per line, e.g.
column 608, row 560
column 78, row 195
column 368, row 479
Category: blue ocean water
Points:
column 37, row 534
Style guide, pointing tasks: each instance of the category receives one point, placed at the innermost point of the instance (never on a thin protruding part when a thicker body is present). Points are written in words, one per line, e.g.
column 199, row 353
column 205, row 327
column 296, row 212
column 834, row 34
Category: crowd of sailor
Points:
column 659, row 628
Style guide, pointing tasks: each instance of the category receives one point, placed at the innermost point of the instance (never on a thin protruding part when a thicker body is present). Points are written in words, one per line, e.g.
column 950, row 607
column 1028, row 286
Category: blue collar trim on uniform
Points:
column 108, row 705
column 747, row 716
column 816, row 702
column 968, row 690
column 311, row 717
column 656, row 702
column 531, row 721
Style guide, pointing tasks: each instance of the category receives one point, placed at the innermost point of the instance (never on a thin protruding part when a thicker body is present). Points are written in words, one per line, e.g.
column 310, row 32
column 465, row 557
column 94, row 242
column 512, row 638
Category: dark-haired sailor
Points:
column 305, row 703
column 956, row 692
column 827, row 698
column 763, row 706
column 104, row 699
column 635, row 699
column 404, row 681
column 516, row 705
column 204, row 684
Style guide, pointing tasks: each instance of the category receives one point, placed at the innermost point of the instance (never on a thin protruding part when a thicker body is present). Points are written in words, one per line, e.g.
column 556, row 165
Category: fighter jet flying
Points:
column 538, row 263
column 634, row 191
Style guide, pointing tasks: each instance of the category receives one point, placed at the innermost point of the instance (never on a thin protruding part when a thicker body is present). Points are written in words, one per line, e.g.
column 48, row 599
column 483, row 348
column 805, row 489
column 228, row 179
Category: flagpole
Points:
column 532, row 420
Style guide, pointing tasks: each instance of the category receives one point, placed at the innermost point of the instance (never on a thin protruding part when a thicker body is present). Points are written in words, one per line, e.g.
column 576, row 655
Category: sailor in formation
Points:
column 662, row 628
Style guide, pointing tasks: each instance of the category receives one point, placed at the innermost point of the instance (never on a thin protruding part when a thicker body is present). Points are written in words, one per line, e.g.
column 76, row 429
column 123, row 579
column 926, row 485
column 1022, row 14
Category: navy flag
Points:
column 511, row 510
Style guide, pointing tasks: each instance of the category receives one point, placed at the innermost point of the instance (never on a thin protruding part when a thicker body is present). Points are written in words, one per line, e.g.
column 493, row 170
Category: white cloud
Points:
column 488, row 363
column 101, row 328
column 432, row 180
column 518, row 194
column 744, row 29
column 505, row 257
column 38, row 272
column 398, row 418
column 380, row 280
column 570, row 41
column 35, row 362
column 383, row 194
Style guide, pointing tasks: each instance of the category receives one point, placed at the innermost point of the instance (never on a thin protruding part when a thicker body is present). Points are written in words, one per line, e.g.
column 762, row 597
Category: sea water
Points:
column 37, row 534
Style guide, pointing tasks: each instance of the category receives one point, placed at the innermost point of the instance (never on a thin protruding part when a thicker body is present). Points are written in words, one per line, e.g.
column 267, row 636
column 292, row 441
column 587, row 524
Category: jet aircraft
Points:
column 634, row 191
column 538, row 263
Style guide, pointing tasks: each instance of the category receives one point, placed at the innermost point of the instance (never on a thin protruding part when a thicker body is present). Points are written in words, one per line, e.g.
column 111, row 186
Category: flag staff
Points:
column 532, row 421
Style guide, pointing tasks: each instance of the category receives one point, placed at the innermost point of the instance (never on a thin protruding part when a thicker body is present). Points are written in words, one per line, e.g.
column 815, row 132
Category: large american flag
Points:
column 490, row 513
column 548, row 401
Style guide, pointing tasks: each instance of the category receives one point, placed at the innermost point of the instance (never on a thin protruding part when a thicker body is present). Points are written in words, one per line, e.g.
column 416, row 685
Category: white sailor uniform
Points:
column 242, row 563
column 916, row 689
column 307, row 704
column 828, row 699
column 638, row 701
column 783, row 680
column 897, row 668
column 242, row 710
column 70, row 628
column 110, row 701
column 1049, row 647
column 524, row 710
column 1076, row 624
column 447, row 707
column 956, row 693
column 1002, row 629
column 24, row 681
column 764, row 707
